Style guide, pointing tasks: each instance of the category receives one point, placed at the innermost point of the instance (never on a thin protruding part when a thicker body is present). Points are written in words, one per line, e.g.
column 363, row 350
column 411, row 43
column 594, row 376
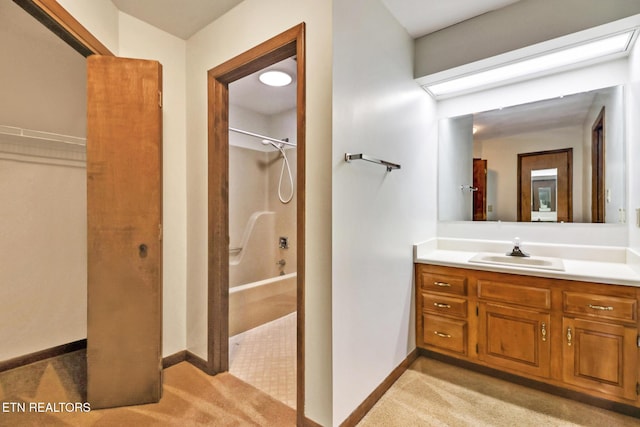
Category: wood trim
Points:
column 598, row 166
column 310, row 423
column 531, row 383
column 282, row 46
column 64, row 25
column 37, row 356
column 376, row 394
column 174, row 359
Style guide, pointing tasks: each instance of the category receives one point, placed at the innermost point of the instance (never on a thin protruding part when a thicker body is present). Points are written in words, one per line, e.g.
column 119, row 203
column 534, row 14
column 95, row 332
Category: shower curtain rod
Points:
column 255, row 135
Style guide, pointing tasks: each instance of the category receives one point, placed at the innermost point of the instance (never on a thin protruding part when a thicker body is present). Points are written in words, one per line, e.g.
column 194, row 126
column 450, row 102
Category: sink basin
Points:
column 528, row 262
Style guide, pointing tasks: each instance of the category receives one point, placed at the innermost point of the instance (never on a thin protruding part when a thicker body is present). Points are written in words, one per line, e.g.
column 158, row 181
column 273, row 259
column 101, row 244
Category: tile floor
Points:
column 265, row 357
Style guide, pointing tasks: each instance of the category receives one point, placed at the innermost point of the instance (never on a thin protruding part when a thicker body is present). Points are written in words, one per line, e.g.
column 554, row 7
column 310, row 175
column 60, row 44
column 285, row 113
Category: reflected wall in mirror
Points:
column 587, row 127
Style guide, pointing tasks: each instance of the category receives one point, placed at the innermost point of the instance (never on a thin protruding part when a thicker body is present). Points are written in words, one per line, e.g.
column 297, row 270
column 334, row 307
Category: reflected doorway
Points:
column 545, row 186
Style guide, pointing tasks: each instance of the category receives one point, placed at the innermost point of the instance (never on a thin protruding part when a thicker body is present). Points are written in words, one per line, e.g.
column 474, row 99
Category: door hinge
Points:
column 637, row 389
column 477, row 311
column 638, row 341
column 160, row 98
column 160, row 232
column 477, row 348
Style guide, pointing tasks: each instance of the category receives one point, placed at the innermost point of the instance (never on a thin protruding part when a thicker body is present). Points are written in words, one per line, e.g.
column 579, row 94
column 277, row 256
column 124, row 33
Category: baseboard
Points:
column 60, row 350
column 371, row 400
column 37, row 356
column 310, row 423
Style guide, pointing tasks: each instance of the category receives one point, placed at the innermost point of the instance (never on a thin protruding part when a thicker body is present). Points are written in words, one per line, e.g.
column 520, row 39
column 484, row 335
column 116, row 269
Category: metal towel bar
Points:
column 390, row 166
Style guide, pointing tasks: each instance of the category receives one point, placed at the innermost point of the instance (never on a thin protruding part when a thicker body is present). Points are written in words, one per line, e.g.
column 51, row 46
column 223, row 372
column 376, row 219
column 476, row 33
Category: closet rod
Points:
column 255, row 135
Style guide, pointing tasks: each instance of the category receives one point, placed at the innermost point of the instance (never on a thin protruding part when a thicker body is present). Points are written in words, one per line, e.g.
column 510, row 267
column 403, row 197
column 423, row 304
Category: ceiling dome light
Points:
column 275, row 78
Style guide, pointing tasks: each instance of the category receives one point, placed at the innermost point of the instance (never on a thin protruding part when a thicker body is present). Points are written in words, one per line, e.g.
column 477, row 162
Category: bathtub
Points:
column 257, row 303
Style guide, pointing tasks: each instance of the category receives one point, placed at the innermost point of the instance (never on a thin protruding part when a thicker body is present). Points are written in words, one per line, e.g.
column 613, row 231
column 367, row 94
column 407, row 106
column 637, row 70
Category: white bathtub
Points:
column 257, row 303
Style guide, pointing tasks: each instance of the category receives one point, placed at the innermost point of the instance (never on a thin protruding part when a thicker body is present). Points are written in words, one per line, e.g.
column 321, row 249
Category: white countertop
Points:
column 616, row 266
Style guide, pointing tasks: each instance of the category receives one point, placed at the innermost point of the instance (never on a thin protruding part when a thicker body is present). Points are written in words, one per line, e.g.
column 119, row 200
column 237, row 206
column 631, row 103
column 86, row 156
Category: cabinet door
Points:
column 514, row 338
column 600, row 357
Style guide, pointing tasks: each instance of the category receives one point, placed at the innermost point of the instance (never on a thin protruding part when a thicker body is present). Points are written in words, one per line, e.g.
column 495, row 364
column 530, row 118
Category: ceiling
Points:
column 178, row 17
column 419, row 17
column 566, row 111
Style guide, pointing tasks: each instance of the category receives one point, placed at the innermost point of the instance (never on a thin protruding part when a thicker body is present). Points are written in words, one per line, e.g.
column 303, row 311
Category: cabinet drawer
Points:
column 516, row 294
column 444, row 305
column 447, row 334
column 446, row 283
column 600, row 306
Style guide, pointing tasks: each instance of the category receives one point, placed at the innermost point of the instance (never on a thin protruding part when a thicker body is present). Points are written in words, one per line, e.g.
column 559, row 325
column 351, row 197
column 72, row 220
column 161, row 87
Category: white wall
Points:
column 140, row 40
column 632, row 104
column 100, row 17
column 245, row 26
column 378, row 110
column 455, row 155
column 43, row 292
column 598, row 76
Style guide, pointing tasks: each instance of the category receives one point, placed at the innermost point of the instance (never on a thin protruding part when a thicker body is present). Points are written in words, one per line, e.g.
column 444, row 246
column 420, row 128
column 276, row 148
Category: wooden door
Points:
column 562, row 160
column 597, row 169
column 124, row 217
column 514, row 339
column 480, row 192
column 600, row 356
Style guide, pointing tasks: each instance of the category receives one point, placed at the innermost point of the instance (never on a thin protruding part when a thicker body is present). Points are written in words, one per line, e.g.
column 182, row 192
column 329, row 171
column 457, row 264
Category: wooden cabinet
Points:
column 575, row 335
column 443, row 310
column 600, row 350
column 515, row 339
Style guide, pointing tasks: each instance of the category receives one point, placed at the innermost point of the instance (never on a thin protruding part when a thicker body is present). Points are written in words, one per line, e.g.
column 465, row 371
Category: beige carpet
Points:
column 190, row 398
column 431, row 393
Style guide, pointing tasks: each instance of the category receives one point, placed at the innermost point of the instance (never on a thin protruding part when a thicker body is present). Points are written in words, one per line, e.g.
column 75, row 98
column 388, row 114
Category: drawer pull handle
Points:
column 442, row 284
column 442, row 335
column 601, row 307
column 440, row 305
column 544, row 331
column 569, row 336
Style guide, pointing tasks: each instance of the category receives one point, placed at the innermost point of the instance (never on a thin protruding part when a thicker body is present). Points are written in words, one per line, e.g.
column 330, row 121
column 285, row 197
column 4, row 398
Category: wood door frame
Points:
column 598, row 169
column 569, row 152
column 287, row 44
column 56, row 18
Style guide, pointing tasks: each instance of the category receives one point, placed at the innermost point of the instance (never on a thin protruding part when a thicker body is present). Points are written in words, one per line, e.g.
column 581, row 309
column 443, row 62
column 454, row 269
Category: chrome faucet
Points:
column 516, row 251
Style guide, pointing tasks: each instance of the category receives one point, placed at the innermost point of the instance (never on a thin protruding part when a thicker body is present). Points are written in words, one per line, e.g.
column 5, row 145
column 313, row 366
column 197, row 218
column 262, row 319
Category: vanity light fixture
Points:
column 275, row 78
column 555, row 60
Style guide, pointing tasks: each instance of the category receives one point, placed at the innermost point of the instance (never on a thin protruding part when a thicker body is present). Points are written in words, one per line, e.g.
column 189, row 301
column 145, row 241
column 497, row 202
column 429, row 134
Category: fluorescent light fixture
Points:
column 547, row 62
column 275, row 78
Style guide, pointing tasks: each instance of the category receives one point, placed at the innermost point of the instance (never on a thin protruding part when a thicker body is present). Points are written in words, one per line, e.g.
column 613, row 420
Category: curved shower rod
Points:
column 255, row 135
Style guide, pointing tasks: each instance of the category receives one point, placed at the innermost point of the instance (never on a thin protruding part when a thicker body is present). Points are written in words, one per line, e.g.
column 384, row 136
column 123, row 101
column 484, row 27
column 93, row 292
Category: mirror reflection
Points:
column 556, row 160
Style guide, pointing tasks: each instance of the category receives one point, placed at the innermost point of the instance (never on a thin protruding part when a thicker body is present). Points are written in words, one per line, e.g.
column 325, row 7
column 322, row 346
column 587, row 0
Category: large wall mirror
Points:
column 556, row 160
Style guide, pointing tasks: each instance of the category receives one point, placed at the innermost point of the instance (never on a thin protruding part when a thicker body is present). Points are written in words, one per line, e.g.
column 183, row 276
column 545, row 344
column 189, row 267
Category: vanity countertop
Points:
column 615, row 266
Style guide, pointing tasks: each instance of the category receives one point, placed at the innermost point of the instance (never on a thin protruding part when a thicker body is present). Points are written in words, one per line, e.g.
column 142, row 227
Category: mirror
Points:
column 481, row 178
column 545, row 198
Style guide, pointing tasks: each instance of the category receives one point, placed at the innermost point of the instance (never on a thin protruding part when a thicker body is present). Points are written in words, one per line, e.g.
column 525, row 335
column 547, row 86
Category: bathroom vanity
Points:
column 550, row 326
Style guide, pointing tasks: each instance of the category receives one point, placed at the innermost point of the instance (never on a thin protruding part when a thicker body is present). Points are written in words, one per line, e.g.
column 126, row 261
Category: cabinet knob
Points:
column 569, row 336
column 442, row 284
column 544, row 331
column 440, row 305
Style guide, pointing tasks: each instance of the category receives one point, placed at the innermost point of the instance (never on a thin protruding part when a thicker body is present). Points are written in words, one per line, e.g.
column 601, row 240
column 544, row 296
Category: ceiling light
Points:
column 275, row 78
column 528, row 67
